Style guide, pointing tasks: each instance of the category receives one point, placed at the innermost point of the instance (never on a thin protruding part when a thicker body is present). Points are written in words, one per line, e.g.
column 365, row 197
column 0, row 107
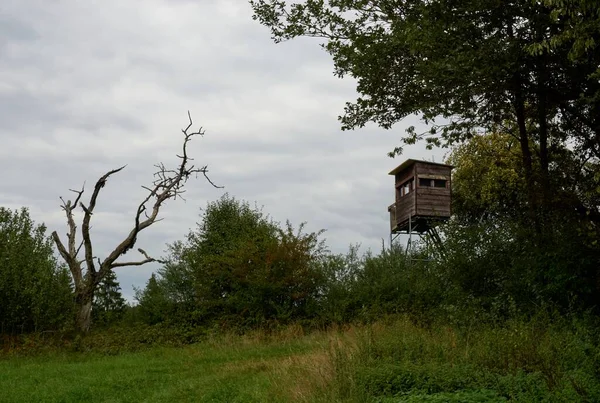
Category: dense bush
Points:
column 504, row 269
column 365, row 287
column 237, row 269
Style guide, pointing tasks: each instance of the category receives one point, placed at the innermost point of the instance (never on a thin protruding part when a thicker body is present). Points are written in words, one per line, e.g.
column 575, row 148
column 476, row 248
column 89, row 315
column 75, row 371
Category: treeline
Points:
column 239, row 269
column 224, row 277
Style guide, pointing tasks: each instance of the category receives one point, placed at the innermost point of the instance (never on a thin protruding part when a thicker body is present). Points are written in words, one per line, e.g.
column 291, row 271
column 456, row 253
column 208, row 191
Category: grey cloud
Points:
column 86, row 87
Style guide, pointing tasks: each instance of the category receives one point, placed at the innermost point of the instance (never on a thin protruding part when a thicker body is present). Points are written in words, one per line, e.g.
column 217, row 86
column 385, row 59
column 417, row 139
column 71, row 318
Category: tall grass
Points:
column 396, row 360
column 533, row 361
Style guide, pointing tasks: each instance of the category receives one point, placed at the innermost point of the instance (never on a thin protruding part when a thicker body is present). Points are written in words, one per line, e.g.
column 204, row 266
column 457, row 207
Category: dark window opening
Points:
column 424, row 182
column 439, row 183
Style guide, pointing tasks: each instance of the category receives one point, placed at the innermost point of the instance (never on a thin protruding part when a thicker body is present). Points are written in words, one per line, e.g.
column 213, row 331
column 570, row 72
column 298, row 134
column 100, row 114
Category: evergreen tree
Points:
column 109, row 304
column 153, row 304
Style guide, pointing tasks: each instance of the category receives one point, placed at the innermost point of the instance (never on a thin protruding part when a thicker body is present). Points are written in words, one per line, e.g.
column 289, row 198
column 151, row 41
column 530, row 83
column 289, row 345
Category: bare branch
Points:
column 74, row 266
column 79, row 193
column 168, row 184
column 78, row 249
column 140, row 263
column 61, row 247
column 188, row 126
column 204, row 171
column 85, row 227
column 85, row 209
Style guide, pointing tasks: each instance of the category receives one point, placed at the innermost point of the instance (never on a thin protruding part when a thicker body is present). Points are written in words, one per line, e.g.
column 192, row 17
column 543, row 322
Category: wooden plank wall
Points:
column 405, row 207
column 432, row 201
column 393, row 222
column 405, row 175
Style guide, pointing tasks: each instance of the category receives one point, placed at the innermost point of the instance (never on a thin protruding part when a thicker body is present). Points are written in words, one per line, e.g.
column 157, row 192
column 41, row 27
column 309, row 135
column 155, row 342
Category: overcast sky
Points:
column 87, row 86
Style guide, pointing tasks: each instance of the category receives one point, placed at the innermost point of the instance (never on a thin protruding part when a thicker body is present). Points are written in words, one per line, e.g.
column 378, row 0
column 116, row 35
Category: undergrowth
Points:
column 551, row 359
column 536, row 360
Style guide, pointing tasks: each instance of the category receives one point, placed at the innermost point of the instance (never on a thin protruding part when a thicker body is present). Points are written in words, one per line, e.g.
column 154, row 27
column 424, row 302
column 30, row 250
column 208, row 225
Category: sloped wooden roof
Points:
column 409, row 162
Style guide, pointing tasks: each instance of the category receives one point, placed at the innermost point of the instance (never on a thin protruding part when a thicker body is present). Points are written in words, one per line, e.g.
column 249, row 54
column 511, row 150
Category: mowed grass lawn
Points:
column 239, row 370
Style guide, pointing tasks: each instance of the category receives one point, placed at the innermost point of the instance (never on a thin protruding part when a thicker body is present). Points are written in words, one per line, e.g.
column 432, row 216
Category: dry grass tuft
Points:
column 299, row 378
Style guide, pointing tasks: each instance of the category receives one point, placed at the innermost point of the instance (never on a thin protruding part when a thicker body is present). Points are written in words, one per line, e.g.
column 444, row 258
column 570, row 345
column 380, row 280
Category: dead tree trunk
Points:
column 89, row 271
column 84, row 310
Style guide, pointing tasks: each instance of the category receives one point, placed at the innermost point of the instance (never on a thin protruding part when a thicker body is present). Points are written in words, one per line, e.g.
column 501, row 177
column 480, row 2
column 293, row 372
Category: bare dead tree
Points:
column 167, row 184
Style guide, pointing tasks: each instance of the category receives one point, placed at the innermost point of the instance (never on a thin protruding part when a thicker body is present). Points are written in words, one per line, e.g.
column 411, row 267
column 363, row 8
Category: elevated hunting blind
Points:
column 423, row 196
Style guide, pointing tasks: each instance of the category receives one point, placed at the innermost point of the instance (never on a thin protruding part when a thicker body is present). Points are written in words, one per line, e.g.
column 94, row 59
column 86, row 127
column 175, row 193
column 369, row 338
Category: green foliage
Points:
column 238, row 269
column 154, row 306
column 495, row 261
column 367, row 287
column 109, row 305
column 488, row 183
column 444, row 397
column 473, row 64
column 487, row 180
column 35, row 292
column 546, row 359
column 582, row 26
column 497, row 272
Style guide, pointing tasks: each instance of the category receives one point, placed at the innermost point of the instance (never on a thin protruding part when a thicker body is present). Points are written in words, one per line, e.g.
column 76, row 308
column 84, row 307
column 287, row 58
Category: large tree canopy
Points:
column 525, row 68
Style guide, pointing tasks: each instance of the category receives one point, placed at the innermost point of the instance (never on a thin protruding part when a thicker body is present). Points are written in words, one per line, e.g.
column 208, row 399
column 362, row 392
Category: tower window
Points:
column 406, row 188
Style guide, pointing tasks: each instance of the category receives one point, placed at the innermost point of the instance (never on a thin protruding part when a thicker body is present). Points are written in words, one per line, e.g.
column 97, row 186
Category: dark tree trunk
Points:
column 542, row 109
column 519, row 109
column 525, row 150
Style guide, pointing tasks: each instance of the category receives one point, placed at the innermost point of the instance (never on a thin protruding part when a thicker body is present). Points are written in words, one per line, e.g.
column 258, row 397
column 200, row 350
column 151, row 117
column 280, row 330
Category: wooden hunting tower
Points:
column 423, row 196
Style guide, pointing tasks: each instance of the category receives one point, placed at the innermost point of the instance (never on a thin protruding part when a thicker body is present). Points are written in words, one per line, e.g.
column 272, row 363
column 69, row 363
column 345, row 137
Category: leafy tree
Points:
column 487, row 181
column 109, row 304
column 35, row 292
column 240, row 268
column 488, row 185
column 492, row 256
column 518, row 68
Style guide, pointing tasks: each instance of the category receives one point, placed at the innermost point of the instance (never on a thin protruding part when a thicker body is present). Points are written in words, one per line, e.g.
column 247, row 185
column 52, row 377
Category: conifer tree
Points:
column 109, row 304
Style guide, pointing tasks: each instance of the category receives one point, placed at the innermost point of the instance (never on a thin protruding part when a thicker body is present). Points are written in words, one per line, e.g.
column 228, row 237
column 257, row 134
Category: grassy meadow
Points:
column 251, row 368
column 395, row 361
